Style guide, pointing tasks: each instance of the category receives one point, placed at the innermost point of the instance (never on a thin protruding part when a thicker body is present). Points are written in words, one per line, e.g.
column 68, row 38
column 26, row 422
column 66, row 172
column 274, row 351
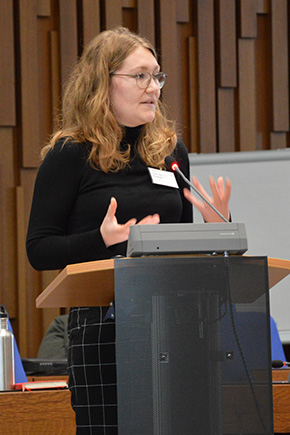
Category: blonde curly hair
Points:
column 87, row 114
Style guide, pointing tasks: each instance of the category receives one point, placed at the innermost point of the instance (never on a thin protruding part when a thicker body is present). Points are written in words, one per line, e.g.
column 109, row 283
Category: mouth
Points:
column 150, row 102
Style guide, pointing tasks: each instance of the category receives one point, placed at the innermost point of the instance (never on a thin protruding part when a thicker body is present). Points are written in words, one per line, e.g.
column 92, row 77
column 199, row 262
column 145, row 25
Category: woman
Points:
column 94, row 184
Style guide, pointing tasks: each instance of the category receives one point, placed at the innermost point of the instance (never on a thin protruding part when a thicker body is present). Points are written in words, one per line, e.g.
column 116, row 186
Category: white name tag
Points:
column 163, row 178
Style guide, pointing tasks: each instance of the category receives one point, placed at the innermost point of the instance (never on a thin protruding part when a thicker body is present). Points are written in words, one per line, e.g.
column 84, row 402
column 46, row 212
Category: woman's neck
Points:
column 132, row 134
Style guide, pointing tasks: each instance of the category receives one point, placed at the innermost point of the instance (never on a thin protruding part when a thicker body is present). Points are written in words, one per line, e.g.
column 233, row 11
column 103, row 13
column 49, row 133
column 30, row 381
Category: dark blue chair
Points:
column 249, row 355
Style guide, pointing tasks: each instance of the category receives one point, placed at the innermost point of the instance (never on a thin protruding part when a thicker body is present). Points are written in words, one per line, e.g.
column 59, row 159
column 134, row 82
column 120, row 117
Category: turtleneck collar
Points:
column 132, row 134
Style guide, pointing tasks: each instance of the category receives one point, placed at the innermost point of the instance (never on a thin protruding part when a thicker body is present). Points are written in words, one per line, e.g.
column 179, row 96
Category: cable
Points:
column 250, row 381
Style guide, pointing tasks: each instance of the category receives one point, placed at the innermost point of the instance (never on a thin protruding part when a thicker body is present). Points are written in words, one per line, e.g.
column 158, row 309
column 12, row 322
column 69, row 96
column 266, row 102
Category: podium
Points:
column 192, row 339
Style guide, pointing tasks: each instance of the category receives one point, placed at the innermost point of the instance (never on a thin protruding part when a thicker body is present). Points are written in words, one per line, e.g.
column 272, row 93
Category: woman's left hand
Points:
column 220, row 199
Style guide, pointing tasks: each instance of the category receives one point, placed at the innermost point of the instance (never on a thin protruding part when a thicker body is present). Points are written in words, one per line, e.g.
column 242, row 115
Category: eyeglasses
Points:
column 143, row 79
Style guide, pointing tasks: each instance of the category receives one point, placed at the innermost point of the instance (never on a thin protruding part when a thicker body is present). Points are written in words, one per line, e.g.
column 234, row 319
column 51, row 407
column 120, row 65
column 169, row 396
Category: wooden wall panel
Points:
column 280, row 65
column 29, row 83
column 55, row 73
column 185, row 71
column 263, row 6
column 227, row 44
column 21, row 271
column 248, row 18
column 247, row 98
column 33, row 279
column 263, row 82
column 146, row 18
column 193, row 92
column 44, row 83
column 50, row 313
column 227, row 95
column 130, row 16
column 7, row 64
column 8, row 245
column 226, row 119
column 68, row 37
column 206, row 76
column 182, row 11
column 113, row 13
column 91, row 20
column 227, row 75
column 129, row 4
column 278, row 140
column 43, row 8
column 168, row 47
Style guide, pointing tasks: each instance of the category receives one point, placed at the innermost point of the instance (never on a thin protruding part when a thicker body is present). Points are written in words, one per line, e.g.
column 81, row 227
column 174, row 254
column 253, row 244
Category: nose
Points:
column 153, row 86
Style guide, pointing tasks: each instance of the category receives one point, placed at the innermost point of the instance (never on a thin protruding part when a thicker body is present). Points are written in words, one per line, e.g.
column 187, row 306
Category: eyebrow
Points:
column 145, row 68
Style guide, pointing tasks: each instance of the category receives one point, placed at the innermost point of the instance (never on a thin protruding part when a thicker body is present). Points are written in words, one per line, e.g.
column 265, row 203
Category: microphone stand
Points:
column 176, row 169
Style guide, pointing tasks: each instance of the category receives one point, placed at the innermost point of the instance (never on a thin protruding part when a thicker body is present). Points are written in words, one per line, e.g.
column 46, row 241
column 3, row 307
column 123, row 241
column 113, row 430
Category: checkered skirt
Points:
column 92, row 370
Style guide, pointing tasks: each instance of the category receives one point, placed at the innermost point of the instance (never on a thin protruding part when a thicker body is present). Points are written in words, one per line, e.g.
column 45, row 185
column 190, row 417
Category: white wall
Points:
column 260, row 199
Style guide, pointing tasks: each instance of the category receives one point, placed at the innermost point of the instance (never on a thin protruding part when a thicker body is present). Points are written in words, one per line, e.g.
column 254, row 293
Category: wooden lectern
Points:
column 96, row 279
column 192, row 339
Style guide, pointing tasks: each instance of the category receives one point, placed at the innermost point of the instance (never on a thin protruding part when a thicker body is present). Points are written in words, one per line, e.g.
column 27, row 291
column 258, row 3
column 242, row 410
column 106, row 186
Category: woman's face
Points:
column 133, row 106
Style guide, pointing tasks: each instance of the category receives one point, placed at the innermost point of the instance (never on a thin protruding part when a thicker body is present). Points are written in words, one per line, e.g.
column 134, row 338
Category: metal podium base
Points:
column 187, row 362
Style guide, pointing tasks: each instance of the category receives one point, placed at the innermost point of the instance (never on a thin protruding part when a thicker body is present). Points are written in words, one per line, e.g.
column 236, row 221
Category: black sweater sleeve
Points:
column 56, row 189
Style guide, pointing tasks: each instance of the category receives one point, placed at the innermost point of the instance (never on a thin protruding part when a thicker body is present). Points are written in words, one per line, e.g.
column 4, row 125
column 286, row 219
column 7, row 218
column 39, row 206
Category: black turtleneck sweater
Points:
column 71, row 199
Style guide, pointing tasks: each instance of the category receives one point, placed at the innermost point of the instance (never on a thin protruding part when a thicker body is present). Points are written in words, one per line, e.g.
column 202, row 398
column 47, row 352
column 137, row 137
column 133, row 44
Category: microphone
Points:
column 276, row 364
column 173, row 165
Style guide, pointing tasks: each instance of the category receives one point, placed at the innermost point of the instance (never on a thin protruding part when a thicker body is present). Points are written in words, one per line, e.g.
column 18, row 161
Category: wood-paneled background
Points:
column 228, row 88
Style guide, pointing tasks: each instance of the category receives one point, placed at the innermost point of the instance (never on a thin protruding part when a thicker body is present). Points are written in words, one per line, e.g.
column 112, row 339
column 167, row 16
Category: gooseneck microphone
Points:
column 173, row 165
column 276, row 364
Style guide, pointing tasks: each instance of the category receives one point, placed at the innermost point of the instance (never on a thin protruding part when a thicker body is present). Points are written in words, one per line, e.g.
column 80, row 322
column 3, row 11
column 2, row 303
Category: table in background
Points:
column 49, row 412
column 46, row 412
column 281, row 401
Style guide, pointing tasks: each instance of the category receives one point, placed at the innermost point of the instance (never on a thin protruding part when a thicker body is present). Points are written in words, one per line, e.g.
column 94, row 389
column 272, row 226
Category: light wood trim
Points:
column 278, row 269
column 92, row 283
column 76, row 285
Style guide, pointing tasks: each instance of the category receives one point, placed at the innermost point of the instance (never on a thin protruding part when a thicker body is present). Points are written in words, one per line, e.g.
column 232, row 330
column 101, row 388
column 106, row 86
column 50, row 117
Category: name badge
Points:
column 164, row 178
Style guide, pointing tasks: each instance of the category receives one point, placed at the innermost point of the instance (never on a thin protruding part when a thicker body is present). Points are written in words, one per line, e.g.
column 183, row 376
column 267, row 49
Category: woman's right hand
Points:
column 113, row 232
